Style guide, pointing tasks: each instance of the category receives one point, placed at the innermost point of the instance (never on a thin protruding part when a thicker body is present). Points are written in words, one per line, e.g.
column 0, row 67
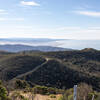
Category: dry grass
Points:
column 29, row 96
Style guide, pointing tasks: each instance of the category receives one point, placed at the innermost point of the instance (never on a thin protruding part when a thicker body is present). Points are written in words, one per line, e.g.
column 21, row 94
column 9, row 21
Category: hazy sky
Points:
column 68, row 19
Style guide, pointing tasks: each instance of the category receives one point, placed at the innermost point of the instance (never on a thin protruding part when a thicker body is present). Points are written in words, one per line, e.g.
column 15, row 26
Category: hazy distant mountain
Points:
column 64, row 43
column 30, row 41
column 80, row 44
column 18, row 48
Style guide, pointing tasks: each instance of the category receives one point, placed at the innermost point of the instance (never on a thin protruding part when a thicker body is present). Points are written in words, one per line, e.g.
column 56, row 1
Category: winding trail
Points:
column 25, row 74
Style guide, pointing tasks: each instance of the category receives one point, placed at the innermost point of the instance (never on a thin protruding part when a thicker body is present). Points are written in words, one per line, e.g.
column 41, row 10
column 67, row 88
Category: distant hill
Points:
column 19, row 48
column 55, row 69
column 64, row 43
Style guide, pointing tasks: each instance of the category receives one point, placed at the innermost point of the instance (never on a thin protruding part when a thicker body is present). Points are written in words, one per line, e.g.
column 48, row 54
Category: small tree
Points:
column 21, row 84
column 3, row 93
column 83, row 91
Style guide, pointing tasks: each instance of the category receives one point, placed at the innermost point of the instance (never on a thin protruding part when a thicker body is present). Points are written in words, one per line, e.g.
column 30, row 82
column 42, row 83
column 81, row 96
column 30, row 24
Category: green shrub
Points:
column 61, row 98
column 70, row 97
column 20, row 84
column 3, row 93
column 52, row 96
column 96, row 96
column 45, row 90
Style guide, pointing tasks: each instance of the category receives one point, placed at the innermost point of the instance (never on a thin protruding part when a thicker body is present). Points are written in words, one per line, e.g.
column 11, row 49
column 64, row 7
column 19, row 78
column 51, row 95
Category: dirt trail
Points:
column 25, row 74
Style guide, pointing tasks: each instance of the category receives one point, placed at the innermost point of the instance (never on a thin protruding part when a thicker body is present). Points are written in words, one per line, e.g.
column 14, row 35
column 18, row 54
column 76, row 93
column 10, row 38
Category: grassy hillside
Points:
column 54, row 69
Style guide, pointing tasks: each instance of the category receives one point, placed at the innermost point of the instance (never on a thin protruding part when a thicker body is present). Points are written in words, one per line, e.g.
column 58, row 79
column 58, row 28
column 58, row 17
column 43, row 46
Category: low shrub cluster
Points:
column 46, row 90
column 84, row 92
column 3, row 92
column 21, row 84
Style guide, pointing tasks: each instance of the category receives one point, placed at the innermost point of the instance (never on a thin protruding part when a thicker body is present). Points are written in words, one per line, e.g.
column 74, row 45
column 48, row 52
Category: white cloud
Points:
column 94, row 28
column 68, row 28
column 57, row 32
column 88, row 13
column 2, row 19
column 17, row 19
column 29, row 3
column 2, row 11
column 11, row 19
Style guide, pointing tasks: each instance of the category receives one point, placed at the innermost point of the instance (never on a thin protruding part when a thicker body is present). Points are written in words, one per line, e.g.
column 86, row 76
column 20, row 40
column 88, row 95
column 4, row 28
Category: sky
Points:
column 58, row 19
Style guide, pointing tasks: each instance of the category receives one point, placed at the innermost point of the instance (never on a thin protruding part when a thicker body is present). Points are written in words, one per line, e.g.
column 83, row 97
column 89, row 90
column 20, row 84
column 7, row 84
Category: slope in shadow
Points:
column 54, row 74
column 18, row 64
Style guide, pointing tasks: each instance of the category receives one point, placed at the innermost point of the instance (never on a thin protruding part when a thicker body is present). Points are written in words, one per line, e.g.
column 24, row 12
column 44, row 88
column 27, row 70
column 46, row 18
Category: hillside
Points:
column 54, row 69
column 11, row 66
